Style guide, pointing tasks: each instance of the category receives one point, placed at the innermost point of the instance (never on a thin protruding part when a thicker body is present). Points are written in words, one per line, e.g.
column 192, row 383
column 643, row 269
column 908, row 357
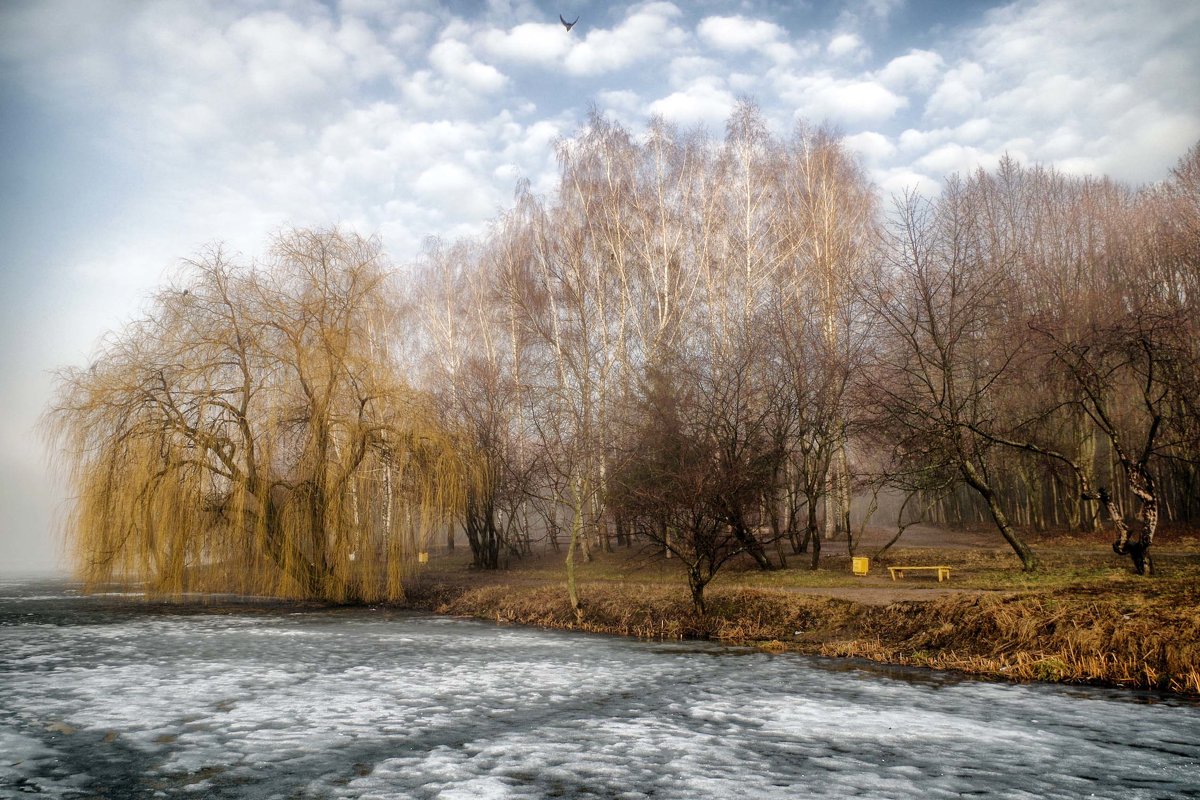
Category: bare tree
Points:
column 1113, row 315
column 473, row 367
column 1134, row 357
column 699, row 460
column 832, row 216
column 943, row 307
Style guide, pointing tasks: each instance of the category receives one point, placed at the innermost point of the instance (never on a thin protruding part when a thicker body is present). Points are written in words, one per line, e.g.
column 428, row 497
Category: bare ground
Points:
column 877, row 588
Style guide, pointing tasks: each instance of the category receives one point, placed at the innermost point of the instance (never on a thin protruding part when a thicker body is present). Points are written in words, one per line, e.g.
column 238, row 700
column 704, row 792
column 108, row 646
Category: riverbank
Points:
column 200, row 697
column 1074, row 622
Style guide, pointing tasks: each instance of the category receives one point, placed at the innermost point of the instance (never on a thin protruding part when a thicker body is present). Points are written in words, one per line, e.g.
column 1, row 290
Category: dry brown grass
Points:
column 1149, row 642
column 1082, row 618
column 1064, row 638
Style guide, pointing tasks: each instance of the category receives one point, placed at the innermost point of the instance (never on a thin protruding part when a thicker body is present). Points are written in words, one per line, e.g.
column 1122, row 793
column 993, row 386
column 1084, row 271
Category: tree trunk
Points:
column 696, row 584
column 1141, row 485
column 748, row 540
column 814, row 534
column 577, row 535
column 1029, row 560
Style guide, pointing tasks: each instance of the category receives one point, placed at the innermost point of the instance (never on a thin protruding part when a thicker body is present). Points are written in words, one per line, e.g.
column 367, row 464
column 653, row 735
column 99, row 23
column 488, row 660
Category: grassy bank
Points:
column 1075, row 621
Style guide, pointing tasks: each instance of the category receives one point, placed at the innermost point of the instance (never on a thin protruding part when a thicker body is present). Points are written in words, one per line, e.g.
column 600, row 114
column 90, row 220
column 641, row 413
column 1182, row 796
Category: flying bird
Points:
column 567, row 25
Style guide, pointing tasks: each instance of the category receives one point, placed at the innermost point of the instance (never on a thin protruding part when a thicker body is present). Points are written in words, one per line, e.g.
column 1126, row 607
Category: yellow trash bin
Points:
column 422, row 557
column 860, row 566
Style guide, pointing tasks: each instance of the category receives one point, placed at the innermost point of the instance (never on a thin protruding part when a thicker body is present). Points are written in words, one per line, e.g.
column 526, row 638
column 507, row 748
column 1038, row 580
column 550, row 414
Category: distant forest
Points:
column 702, row 345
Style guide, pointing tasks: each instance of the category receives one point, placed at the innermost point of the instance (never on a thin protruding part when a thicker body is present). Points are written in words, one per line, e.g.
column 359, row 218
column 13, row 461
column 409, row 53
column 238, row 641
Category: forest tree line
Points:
column 707, row 345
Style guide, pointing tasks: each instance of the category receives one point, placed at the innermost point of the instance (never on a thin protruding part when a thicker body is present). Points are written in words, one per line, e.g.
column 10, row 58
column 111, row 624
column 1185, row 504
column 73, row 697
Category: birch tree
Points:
column 830, row 220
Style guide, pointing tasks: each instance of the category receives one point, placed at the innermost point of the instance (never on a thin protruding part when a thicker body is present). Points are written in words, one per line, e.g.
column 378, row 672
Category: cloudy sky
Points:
column 133, row 133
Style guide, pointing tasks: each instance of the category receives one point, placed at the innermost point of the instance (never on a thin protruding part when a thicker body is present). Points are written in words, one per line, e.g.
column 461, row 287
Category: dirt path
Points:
column 877, row 590
column 919, row 536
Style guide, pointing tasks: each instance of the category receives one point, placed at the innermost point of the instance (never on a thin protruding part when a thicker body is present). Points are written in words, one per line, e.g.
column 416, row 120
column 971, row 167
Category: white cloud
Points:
column 973, row 130
column 917, row 69
column 1116, row 93
column 873, row 147
column 621, row 103
column 882, row 9
column 705, row 102
column 845, row 44
column 913, row 141
column 894, row 182
column 529, row 151
column 959, row 92
column 1153, row 141
column 283, row 60
column 369, row 56
column 452, row 186
column 648, row 33
column 455, row 60
column 531, row 42
column 684, row 70
column 954, row 157
column 738, row 34
column 1081, row 166
column 185, row 78
column 823, row 97
column 411, row 30
column 747, row 83
column 59, row 51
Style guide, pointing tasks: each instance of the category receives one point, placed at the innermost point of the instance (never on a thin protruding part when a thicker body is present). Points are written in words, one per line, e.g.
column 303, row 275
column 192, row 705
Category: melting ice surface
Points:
column 115, row 698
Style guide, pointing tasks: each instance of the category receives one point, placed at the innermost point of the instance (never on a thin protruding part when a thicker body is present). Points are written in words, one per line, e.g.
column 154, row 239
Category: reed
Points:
column 1067, row 638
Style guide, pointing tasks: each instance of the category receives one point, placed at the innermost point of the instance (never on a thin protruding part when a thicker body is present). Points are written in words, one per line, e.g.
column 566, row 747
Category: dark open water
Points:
column 111, row 697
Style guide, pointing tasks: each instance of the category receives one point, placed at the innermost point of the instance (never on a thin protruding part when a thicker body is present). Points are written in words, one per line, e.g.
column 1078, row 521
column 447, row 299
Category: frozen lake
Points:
column 107, row 696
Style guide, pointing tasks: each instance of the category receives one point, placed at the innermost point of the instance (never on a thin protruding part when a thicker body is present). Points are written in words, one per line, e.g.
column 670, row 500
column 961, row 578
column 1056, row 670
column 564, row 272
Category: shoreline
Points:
column 1023, row 637
column 1080, row 634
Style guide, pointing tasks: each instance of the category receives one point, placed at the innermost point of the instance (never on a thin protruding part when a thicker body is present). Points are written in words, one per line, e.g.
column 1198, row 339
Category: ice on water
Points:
column 100, row 697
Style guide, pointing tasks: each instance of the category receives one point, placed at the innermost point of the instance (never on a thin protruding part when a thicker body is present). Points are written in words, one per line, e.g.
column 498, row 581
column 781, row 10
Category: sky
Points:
column 133, row 134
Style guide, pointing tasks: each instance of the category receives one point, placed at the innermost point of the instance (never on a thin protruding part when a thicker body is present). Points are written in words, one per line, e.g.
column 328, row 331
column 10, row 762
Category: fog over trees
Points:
column 700, row 345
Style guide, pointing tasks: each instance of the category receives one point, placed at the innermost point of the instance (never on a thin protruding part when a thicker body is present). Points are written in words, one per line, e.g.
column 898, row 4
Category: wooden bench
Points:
column 943, row 573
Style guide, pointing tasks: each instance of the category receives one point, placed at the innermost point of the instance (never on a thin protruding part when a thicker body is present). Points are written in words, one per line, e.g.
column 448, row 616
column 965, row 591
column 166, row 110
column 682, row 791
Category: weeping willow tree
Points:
column 254, row 433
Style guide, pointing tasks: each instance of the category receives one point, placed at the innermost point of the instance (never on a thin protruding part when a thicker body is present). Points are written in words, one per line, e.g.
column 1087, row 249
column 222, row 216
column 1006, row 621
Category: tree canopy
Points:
column 254, row 432
column 704, row 344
